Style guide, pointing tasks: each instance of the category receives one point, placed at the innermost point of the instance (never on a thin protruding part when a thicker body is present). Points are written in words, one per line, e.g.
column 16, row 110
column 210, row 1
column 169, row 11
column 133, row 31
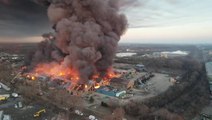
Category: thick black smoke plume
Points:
column 86, row 34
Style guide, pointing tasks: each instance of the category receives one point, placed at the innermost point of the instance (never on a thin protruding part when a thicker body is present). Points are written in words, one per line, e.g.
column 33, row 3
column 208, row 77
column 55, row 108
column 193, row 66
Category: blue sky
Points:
column 170, row 21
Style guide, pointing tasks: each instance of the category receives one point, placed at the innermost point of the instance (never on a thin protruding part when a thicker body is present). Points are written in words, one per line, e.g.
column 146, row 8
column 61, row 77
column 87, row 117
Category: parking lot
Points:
column 12, row 104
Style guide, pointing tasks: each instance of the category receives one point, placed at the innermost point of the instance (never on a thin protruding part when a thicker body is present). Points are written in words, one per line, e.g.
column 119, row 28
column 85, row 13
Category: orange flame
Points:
column 61, row 74
column 86, row 86
column 56, row 70
column 97, row 86
column 111, row 75
column 33, row 77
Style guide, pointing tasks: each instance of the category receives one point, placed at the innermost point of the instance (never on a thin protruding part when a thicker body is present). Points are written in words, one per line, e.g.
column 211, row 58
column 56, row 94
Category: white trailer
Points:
column 5, row 87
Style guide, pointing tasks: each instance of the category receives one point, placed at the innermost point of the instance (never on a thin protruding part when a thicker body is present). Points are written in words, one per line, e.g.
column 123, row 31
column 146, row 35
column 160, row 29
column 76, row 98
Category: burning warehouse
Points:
column 85, row 40
column 70, row 85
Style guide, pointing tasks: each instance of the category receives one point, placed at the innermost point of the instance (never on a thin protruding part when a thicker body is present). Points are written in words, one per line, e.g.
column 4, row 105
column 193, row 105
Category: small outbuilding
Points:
column 110, row 91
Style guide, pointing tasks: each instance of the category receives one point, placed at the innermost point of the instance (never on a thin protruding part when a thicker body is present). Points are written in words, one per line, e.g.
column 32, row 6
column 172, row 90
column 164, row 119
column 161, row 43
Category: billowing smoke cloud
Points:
column 5, row 2
column 87, row 33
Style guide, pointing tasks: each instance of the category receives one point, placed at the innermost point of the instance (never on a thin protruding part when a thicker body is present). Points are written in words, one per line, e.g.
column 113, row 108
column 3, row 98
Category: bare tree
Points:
column 61, row 116
column 165, row 114
column 118, row 114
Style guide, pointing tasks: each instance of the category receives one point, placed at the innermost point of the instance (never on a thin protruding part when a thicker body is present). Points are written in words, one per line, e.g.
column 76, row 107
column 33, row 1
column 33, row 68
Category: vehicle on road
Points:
column 3, row 98
column 39, row 113
column 78, row 112
column 18, row 105
column 91, row 117
column 15, row 95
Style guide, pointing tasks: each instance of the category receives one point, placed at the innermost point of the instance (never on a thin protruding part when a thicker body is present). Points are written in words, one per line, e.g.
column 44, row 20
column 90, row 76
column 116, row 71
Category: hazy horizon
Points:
column 150, row 21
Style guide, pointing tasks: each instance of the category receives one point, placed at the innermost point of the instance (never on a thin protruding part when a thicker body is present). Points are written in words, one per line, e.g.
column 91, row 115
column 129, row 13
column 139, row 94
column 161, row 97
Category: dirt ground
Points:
column 156, row 85
column 160, row 83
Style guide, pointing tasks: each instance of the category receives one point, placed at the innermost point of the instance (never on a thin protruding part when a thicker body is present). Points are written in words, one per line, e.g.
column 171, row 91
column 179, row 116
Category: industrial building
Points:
column 110, row 91
column 168, row 54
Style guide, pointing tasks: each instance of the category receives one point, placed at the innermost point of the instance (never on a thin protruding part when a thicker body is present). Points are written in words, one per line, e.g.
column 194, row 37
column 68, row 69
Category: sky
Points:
column 150, row 21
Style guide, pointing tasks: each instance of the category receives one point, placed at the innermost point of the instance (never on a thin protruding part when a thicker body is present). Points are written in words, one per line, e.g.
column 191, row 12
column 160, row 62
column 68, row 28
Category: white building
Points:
column 168, row 54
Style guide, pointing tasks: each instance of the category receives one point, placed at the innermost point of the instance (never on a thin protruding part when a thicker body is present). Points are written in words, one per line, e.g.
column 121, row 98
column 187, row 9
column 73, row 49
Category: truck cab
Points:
column 39, row 113
column 3, row 98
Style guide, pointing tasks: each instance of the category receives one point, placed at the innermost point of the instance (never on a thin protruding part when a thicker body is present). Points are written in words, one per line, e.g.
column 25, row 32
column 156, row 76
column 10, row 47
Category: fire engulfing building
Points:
column 85, row 40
